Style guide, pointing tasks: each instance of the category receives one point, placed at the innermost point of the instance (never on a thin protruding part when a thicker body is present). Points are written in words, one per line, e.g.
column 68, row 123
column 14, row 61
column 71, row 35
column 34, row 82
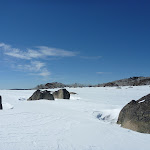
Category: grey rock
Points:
column 50, row 85
column 1, row 107
column 61, row 94
column 136, row 115
column 132, row 81
column 47, row 95
column 37, row 95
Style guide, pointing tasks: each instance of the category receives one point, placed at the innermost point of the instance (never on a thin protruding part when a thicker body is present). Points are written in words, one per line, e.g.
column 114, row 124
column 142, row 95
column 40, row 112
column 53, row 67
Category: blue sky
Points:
column 72, row 41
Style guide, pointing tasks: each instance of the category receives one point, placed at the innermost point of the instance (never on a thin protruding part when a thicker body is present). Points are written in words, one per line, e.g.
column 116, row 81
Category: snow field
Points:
column 86, row 122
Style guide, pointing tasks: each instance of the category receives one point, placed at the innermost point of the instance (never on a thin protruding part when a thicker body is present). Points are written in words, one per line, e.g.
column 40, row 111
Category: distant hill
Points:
column 58, row 85
column 50, row 85
column 132, row 81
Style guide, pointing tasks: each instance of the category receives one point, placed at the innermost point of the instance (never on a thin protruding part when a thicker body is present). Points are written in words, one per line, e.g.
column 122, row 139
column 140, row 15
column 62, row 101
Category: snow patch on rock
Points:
column 141, row 101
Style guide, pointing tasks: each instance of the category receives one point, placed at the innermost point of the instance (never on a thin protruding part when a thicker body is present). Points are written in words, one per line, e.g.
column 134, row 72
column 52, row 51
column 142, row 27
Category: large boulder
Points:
column 136, row 115
column 61, row 94
column 37, row 95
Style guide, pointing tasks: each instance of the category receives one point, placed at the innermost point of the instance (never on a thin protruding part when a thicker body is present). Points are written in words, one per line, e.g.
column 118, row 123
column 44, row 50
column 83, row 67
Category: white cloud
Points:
column 5, row 46
column 44, row 73
column 47, row 51
column 17, row 53
column 38, row 65
column 14, row 52
column 35, row 68
column 39, row 52
column 33, row 54
column 30, row 55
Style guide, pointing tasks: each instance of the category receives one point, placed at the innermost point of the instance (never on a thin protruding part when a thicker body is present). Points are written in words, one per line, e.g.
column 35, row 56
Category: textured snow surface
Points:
column 86, row 122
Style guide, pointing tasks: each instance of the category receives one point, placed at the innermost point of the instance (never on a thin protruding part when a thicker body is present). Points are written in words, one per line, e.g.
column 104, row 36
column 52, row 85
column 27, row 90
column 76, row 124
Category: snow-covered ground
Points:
column 86, row 122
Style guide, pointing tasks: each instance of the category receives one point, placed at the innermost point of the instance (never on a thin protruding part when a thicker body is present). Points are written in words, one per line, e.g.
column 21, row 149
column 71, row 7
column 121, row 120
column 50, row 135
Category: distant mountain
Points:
column 132, row 81
column 59, row 85
column 50, row 85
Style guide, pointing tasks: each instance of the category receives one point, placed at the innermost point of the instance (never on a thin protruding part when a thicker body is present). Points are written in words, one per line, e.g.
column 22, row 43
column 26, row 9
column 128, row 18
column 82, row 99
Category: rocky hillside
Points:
column 132, row 81
column 59, row 85
column 50, row 85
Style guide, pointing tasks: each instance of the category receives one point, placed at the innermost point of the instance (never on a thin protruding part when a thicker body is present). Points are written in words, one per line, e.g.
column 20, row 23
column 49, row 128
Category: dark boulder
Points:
column 37, row 95
column 61, row 94
column 1, row 107
column 136, row 115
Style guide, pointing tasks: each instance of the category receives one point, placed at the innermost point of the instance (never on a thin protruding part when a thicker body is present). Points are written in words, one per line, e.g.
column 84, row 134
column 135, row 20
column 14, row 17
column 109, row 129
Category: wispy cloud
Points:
column 44, row 73
column 5, row 46
column 48, row 51
column 34, row 68
column 37, row 52
column 30, row 60
column 32, row 56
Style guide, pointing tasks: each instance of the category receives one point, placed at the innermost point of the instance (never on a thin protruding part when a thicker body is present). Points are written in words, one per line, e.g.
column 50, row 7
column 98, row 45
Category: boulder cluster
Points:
column 60, row 94
column 136, row 115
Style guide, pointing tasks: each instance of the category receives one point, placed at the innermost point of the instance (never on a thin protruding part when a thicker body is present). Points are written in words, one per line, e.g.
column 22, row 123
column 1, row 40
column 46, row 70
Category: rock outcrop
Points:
column 132, row 81
column 54, row 85
column 61, row 94
column 37, row 95
column 136, row 115
column 50, row 85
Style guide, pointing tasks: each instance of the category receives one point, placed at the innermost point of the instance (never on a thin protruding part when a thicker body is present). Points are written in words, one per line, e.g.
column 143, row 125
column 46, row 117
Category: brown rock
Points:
column 136, row 115
column 37, row 95
column 61, row 94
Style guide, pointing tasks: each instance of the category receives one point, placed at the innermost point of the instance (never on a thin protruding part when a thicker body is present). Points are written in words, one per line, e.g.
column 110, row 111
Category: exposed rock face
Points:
column 136, row 115
column 61, row 94
column 110, row 84
column 50, row 85
column 54, row 85
column 132, row 81
column 41, row 95
column 59, row 85
column 1, row 107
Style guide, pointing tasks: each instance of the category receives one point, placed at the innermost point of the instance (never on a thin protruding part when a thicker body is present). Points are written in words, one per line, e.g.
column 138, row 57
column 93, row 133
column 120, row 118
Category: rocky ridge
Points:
column 132, row 81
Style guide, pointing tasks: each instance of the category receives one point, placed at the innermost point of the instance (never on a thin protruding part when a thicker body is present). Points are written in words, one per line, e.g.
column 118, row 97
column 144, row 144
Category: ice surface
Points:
column 86, row 122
